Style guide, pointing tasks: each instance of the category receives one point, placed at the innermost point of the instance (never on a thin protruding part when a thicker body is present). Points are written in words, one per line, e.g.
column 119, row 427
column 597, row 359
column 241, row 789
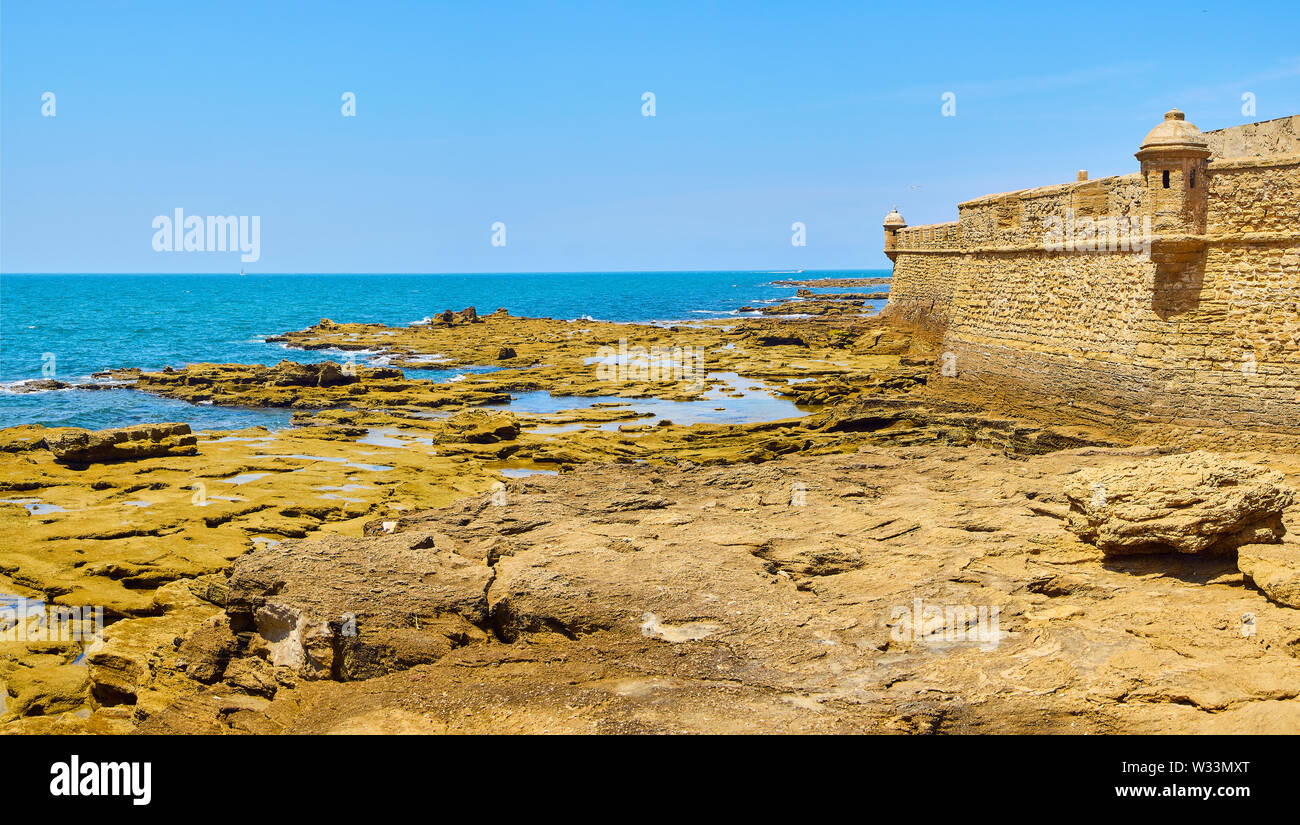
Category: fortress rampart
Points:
column 1168, row 295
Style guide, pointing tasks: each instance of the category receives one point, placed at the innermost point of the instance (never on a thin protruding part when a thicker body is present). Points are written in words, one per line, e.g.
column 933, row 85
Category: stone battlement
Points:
column 1169, row 294
column 1280, row 136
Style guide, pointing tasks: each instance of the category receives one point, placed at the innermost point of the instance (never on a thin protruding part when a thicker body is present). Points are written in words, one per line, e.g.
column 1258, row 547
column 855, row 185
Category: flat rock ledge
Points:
column 122, row 443
column 1191, row 503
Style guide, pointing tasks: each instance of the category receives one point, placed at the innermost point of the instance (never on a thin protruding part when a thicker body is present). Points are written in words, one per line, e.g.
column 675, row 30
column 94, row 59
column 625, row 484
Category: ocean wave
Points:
column 373, row 355
column 719, row 313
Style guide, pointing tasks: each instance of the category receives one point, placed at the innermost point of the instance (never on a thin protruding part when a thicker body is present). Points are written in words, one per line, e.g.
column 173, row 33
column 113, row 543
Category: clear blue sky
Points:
column 530, row 114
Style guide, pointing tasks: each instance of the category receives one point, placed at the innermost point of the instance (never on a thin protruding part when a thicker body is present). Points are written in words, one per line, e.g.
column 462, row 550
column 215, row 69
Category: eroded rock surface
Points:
column 350, row 608
column 930, row 589
column 1193, row 503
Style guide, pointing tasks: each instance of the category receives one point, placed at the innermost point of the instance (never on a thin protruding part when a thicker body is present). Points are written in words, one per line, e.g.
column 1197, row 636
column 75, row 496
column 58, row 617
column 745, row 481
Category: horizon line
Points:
column 501, row 272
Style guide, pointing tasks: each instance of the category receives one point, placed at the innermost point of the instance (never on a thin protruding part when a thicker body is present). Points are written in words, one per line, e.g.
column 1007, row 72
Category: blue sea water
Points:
column 86, row 323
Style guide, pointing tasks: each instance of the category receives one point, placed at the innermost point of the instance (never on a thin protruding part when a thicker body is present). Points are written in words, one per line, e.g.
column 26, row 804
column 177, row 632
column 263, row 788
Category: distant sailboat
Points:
column 241, row 272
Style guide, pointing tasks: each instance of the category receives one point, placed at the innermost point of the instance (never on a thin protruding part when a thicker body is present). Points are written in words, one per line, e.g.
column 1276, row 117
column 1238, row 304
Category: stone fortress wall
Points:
column 1169, row 295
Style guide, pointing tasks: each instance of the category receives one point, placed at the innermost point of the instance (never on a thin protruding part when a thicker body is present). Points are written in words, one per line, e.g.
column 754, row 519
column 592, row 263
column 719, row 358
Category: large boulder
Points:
column 122, row 443
column 332, row 375
column 1192, row 503
column 468, row 315
column 325, row 374
column 483, row 427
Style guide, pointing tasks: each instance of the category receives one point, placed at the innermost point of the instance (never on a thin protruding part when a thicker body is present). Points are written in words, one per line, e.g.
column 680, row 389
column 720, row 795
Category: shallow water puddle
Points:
column 386, row 437
column 243, row 478
column 14, row 603
column 564, row 428
column 35, row 506
column 427, row 415
column 39, row 617
column 725, row 404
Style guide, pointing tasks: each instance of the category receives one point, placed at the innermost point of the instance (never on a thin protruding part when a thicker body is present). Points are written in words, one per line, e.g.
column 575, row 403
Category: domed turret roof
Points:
column 895, row 219
column 1175, row 133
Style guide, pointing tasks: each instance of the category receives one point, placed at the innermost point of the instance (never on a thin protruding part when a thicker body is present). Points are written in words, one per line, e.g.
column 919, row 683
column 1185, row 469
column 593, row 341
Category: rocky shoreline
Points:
column 414, row 556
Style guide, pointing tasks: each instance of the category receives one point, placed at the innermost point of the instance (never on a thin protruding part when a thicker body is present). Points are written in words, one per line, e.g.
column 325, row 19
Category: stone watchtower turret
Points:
column 893, row 223
column 1173, row 158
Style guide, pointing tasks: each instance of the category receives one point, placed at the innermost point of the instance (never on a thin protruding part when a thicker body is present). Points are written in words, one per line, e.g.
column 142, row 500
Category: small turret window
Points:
column 1192, row 182
column 1165, row 175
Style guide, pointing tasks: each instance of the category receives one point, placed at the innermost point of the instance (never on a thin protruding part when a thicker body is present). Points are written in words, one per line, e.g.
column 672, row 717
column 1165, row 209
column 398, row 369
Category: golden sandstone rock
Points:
column 122, row 444
column 1274, row 569
column 678, row 599
column 1193, row 503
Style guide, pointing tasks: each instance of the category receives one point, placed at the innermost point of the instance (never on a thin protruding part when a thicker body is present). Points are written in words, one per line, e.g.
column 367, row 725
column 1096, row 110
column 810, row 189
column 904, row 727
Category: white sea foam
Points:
column 14, row 386
column 416, row 358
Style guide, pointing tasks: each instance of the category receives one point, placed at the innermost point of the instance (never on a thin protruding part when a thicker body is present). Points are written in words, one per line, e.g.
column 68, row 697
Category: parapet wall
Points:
column 929, row 256
column 1021, row 219
column 1210, row 340
column 1263, row 139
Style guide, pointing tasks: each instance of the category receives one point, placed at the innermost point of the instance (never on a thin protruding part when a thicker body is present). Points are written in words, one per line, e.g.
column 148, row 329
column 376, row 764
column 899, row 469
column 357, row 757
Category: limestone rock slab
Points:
column 1192, row 503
